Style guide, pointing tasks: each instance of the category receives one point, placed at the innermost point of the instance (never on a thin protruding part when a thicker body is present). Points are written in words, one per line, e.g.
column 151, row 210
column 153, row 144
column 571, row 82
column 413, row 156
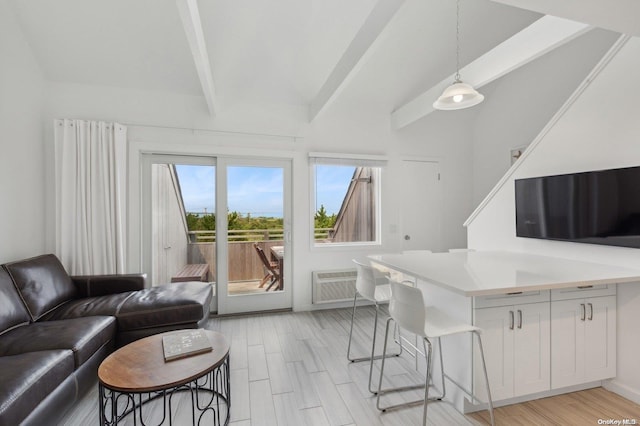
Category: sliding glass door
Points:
column 256, row 194
column 221, row 220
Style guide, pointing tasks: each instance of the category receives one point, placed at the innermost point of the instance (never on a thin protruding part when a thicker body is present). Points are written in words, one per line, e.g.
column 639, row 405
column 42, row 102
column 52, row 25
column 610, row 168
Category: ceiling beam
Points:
column 620, row 16
column 192, row 24
column 542, row 36
column 353, row 56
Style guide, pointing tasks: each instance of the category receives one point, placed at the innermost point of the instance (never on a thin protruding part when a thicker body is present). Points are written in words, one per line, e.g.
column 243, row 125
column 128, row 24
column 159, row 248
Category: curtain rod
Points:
column 208, row 130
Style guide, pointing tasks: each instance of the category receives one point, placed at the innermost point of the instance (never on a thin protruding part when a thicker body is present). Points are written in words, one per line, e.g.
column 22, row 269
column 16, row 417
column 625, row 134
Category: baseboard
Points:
column 333, row 305
column 623, row 390
column 469, row 407
column 249, row 313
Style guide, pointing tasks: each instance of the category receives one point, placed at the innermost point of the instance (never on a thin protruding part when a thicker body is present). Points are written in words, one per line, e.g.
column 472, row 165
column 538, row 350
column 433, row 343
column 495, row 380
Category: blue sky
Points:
column 331, row 186
column 258, row 190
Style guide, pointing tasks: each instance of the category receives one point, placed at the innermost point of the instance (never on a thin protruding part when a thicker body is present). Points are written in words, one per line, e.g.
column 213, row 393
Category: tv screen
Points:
column 599, row 207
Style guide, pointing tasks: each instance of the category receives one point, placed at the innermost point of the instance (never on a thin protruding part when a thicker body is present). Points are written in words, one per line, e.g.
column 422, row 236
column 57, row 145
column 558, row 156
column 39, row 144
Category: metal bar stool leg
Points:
column 372, row 356
column 444, row 391
column 373, row 348
column 486, row 378
column 384, row 351
column 353, row 315
column 428, row 354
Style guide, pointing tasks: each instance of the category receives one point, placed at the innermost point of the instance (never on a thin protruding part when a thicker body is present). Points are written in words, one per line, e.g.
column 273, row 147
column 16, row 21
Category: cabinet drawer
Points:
column 511, row 299
column 583, row 291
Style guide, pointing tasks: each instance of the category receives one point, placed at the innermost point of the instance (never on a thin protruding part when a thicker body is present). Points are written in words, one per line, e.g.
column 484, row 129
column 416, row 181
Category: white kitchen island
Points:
column 549, row 324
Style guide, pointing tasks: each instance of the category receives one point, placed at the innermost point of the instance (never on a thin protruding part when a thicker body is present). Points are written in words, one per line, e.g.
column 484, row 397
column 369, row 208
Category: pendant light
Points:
column 459, row 95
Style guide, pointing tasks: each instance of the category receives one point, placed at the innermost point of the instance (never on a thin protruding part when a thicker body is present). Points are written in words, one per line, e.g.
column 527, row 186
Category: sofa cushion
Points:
column 13, row 312
column 84, row 336
column 28, row 378
column 42, row 282
column 170, row 304
column 107, row 305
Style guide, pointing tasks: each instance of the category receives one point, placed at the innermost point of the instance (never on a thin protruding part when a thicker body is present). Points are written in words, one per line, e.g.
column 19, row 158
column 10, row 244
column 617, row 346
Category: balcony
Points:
column 245, row 268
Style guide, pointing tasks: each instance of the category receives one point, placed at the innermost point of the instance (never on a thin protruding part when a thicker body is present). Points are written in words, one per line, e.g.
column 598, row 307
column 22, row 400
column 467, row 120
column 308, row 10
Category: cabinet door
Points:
column 532, row 354
column 600, row 338
column 567, row 342
column 497, row 339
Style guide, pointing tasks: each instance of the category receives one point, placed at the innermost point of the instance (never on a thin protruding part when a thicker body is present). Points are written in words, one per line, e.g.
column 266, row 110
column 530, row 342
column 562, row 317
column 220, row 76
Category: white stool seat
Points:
column 439, row 323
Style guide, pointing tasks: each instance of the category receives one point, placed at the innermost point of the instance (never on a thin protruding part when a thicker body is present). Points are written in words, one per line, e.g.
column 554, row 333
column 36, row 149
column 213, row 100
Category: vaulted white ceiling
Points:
column 291, row 52
column 622, row 16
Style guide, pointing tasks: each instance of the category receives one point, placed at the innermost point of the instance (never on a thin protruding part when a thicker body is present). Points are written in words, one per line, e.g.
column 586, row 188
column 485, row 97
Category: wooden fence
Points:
column 252, row 235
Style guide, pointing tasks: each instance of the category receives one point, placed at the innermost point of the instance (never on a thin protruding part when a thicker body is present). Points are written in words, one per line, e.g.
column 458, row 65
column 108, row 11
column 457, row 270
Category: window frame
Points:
column 377, row 163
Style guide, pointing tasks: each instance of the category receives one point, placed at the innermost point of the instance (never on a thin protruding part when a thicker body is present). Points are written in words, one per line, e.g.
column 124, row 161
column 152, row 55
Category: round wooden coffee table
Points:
column 137, row 374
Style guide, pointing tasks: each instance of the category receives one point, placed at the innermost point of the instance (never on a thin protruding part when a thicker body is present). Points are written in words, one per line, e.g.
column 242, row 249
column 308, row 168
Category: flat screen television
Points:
column 598, row 207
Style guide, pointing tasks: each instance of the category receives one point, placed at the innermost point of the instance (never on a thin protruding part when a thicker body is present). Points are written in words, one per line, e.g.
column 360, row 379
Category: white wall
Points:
column 446, row 136
column 277, row 131
column 520, row 104
column 600, row 130
column 22, row 215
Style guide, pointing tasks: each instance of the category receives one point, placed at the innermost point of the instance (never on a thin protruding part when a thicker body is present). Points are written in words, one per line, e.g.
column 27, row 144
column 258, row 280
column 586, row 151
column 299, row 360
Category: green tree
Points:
column 233, row 220
column 208, row 222
column 323, row 220
column 192, row 221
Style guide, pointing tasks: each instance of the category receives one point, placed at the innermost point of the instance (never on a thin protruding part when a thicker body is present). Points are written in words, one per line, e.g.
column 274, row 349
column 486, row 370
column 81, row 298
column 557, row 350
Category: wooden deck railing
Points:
column 244, row 263
column 251, row 235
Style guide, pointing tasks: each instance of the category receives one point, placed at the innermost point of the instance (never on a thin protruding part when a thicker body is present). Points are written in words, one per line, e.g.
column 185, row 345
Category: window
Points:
column 346, row 207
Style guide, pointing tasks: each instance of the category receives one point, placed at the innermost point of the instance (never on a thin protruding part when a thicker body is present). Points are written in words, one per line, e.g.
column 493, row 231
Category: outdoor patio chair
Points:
column 272, row 273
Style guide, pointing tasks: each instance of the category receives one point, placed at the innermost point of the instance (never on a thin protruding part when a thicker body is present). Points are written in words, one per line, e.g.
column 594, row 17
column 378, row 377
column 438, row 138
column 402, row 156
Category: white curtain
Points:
column 90, row 170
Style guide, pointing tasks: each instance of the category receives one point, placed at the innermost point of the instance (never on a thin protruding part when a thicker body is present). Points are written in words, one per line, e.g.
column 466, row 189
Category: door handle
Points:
column 407, row 237
column 519, row 318
column 511, row 320
column 584, row 312
column 590, row 311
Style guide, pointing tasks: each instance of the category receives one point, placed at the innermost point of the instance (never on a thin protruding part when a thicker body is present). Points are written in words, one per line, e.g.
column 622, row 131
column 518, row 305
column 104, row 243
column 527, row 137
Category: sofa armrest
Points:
column 100, row 285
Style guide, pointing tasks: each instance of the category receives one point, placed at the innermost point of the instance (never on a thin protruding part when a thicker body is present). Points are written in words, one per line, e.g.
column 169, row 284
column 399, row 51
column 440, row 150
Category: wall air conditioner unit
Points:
column 333, row 286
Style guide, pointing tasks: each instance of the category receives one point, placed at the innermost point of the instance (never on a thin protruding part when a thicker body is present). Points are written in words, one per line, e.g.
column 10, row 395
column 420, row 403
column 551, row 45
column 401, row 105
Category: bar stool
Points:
column 414, row 281
column 408, row 311
column 372, row 285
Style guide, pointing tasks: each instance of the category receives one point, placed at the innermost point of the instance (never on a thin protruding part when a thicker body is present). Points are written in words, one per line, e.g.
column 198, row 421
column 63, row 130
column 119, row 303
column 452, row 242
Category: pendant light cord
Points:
column 458, row 95
column 457, row 41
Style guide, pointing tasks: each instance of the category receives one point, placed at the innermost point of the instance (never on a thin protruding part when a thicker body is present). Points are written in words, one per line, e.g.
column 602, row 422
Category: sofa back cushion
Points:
column 13, row 312
column 42, row 282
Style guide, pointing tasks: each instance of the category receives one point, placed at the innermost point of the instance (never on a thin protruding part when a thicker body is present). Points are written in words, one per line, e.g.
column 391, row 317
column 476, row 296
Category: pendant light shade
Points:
column 459, row 95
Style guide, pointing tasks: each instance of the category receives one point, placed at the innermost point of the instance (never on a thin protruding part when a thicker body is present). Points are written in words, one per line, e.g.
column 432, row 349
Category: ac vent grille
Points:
column 333, row 286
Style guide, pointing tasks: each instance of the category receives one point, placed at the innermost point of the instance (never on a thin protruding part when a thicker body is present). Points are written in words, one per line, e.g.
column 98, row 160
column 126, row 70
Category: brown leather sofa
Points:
column 55, row 330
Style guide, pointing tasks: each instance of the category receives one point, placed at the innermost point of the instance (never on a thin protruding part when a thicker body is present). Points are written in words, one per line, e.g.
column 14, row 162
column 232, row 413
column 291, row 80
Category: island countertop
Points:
column 481, row 273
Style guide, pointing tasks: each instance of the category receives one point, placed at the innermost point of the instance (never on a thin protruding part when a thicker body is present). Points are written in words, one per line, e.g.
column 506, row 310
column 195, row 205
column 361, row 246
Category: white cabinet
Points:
column 516, row 343
column 583, row 340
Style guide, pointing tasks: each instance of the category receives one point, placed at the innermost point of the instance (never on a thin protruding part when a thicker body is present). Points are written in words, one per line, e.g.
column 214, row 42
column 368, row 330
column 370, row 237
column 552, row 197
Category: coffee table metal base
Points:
column 210, row 401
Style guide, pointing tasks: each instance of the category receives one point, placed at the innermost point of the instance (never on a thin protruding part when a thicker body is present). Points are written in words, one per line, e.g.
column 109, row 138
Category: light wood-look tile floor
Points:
column 291, row 369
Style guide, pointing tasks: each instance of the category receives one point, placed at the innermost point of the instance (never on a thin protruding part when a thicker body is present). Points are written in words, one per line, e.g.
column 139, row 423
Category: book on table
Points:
column 185, row 343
